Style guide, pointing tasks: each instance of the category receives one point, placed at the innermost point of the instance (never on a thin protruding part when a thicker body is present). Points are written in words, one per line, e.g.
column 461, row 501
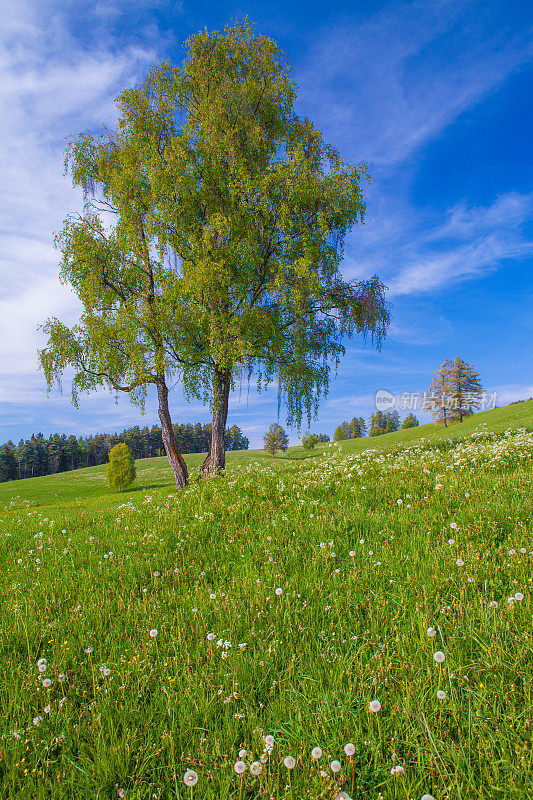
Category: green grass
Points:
column 154, row 473
column 363, row 577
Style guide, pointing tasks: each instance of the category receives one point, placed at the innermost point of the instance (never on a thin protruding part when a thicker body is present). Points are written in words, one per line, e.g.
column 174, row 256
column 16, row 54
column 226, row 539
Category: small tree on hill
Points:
column 464, row 387
column 342, row 432
column 121, row 468
column 357, row 427
column 410, row 421
column 275, row 439
column 384, row 422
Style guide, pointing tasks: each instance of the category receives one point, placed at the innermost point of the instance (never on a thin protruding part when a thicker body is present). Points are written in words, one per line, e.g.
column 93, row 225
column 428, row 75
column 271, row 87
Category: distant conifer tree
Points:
column 465, row 388
column 121, row 468
column 410, row 421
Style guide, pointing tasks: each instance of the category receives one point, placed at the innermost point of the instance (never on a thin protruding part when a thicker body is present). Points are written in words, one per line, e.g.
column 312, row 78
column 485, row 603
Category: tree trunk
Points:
column 175, row 459
column 215, row 461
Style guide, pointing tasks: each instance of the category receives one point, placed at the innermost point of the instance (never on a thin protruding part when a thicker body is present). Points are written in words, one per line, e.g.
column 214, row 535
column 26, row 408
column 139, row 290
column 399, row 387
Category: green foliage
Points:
column 311, row 439
column 384, row 422
column 121, row 468
column 8, row 462
column 212, row 235
column 275, row 439
column 350, row 430
column 410, row 421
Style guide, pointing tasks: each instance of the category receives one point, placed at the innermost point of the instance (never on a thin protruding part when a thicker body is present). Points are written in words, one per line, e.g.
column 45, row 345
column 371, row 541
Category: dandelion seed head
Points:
column 289, row 762
column 190, row 778
column 349, row 749
column 439, row 657
column 335, row 766
column 374, row 705
column 153, row 633
column 239, row 767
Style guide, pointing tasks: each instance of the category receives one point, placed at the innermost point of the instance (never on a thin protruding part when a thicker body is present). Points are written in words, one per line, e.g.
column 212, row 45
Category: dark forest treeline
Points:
column 59, row 453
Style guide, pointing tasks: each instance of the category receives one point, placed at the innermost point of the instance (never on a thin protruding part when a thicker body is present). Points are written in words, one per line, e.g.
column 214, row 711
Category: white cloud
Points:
column 471, row 242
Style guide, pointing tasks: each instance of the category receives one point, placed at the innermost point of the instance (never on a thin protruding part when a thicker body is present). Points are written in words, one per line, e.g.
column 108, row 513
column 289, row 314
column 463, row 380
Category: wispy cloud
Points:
column 470, row 242
column 387, row 85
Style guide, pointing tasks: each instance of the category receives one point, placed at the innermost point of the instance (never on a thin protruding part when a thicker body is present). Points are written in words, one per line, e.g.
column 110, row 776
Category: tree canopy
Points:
column 211, row 241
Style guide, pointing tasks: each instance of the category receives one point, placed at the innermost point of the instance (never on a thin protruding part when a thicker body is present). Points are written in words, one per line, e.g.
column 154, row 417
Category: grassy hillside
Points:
column 154, row 473
column 376, row 606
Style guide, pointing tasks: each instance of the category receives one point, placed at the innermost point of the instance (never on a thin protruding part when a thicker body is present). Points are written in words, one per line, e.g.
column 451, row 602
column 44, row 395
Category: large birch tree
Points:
column 220, row 258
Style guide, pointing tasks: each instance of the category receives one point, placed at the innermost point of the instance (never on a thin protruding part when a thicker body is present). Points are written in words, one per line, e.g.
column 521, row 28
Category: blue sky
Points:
column 435, row 96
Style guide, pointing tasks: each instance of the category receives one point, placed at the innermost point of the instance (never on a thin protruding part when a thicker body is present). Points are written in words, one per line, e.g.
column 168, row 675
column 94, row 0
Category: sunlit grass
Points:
column 181, row 629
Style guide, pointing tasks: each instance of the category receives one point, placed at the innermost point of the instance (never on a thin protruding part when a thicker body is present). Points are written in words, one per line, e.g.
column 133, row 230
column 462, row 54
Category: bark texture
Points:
column 216, row 458
column 176, row 461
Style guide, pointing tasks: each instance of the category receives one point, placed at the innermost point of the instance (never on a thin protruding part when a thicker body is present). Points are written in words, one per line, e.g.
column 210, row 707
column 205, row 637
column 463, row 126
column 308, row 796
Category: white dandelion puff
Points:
column 349, row 749
column 316, row 752
column 289, row 762
column 153, row 633
column 256, row 767
column 190, row 778
column 374, row 705
column 335, row 766
column 239, row 767
column 439, row 657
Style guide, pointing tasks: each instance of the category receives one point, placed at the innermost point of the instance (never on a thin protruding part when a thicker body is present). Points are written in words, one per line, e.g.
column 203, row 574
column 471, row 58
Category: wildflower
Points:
column 263, row 758
column 121, row 793
column 190, row 778
column 519, row 596
column 453, row 525
column 335, row 766
column 439, row 657
column 37, row 721
column 400, row 502
column 427, row 797
column 289, row 762
column 316, row 752
column 47, row 683
column 89, row 650
column 42, row 662
column 239, row 767
column 460, row 562
column 493, row 604
column 153, row 633
column 374, row 705
column 213, row 596
column 451, row 541
column 441, row 694
column 42, row 667
column 256, row 767
column 349, row 749
column 351, row 553
column 511, row 601
column 269, row 740
column 242, row 754
column 47, row 709
column 398, row 770
column 431, row 632
column 210, row 637
column 279, row 591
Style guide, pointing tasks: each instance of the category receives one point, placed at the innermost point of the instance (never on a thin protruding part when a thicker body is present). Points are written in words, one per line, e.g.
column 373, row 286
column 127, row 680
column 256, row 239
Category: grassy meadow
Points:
column 340, row 623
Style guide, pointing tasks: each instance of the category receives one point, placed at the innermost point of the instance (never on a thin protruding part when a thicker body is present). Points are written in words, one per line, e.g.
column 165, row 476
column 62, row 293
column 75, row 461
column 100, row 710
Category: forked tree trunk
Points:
column 175, row 459
column 215, row 461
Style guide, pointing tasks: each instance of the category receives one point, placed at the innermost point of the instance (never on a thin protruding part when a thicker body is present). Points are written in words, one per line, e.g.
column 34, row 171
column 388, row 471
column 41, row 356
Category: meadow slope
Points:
column 375, row 605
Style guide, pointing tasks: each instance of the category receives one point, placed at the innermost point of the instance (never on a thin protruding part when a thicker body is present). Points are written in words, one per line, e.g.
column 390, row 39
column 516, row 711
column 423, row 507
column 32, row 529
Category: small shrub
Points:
column 121, row 468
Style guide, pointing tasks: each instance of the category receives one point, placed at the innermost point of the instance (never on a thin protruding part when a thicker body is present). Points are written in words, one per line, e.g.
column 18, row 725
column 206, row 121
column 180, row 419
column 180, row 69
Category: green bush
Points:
column 121, row 468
